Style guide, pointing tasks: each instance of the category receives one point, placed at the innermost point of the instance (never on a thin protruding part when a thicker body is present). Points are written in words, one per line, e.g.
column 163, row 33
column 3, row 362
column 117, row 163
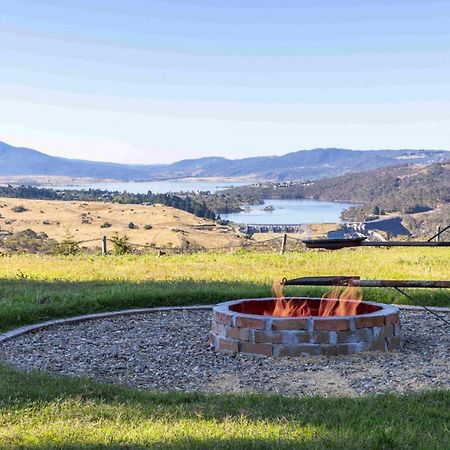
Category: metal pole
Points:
column 402, row 283
column 104, row 247
column 423, row 306
column 283, row 244
column 406, row 243
column 355, row 281
column 438, row 233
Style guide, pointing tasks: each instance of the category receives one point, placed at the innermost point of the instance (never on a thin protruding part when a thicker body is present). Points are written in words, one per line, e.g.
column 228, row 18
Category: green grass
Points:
column 39, row 411
column 43, row 412
column 35, row 288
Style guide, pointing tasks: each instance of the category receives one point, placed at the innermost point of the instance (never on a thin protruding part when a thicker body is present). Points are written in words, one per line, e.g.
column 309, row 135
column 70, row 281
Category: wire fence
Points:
column 121, row 245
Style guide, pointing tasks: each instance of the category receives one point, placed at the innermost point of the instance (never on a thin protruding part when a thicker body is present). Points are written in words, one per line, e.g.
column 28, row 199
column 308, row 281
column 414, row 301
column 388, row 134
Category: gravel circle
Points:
column 169, row 351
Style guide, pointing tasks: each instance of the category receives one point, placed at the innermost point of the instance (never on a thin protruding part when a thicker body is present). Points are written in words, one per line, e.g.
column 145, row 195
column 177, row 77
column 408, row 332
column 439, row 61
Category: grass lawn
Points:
column 43, row 412
column 39, row 411
column 35, row 288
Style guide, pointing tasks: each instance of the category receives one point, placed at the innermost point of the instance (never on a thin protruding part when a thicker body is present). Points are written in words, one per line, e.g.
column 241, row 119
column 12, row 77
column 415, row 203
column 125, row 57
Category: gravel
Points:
column 169, row 351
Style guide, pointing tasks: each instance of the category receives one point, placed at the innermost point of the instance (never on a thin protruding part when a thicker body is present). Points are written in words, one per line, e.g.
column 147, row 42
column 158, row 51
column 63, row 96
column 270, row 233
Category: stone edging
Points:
column 77, row 319
column 126, row 312
column 442, row 309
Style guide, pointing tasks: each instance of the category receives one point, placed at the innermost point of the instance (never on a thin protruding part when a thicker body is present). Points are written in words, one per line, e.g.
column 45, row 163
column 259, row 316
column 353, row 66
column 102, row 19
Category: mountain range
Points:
column 299, row 165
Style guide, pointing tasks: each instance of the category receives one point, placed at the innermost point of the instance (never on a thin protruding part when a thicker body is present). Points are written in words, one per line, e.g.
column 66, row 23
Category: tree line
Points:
column 184, row 202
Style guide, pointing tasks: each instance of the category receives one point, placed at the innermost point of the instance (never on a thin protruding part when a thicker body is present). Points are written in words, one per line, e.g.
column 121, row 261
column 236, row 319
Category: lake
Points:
column 290, row 212
column 285, row 211
column 156, row 187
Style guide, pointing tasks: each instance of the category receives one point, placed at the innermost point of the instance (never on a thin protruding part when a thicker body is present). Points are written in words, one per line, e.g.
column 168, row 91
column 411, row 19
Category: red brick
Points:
column 392, row 318
column 321, row 337
column 296, row 350
column 212, row 340
column 361, row 335
column 268, row 337
column 218, row 328
column 340, row 349
column 240, row 334
column 256, row 349
column 227, row 345
column 248, row 322
column 304, row 337
column 393, row 343
column 378, row 344
column 383, row 332
column 369, row 321
column 289, row 324
column 224, row 318
column 331, row 324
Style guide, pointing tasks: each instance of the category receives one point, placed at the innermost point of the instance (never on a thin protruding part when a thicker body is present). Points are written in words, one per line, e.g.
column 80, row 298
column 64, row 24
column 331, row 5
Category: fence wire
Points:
column 273, row 244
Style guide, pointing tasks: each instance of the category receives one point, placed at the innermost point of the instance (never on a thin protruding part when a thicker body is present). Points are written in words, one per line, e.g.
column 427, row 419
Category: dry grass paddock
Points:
column 90, row 220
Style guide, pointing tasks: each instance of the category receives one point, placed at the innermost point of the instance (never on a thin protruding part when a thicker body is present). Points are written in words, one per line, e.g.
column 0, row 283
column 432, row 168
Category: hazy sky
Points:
column 158, row 81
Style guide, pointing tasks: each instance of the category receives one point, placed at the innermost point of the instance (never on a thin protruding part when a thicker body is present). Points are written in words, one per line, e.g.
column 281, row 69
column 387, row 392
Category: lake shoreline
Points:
column 290, row 211
column 58, row 181
column 274, row 209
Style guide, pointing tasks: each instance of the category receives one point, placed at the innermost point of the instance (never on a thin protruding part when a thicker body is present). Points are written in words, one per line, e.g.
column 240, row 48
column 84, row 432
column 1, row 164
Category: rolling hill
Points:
column 418, row 193
column 299, row 165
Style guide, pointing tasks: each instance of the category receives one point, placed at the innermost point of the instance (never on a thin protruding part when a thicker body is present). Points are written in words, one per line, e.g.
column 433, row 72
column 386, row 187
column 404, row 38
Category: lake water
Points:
column 290, row 212
column 285, row 211
column 156, row 187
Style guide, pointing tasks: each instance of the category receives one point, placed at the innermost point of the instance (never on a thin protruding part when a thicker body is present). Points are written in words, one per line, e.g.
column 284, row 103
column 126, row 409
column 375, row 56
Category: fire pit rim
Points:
column 267, row 335
column 224, row 307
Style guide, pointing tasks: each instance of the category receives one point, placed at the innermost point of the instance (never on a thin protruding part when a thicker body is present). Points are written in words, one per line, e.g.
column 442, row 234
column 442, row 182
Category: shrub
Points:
column 132, row 226
column 28, row 241
column 417, row 209
column 121, row 245
column 19, row 208
column 105, row 225
column 68, row 246
column 85, row 219
column 148, row 227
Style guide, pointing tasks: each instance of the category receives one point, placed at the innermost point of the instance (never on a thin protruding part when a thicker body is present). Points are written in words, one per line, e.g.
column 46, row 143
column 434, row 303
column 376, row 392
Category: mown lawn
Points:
column 35, row 288
column 39, row 411
column 43, row 412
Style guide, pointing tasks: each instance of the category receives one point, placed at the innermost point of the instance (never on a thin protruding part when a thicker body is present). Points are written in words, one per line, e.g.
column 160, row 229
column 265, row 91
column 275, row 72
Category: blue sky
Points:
column 158, row 81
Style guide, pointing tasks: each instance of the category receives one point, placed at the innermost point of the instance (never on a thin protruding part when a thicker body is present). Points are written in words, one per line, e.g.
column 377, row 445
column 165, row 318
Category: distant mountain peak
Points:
column 299, row 165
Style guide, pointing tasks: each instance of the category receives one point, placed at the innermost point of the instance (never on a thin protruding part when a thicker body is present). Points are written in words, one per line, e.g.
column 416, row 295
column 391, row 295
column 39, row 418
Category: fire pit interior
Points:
column 298, row 326
column 299, row 306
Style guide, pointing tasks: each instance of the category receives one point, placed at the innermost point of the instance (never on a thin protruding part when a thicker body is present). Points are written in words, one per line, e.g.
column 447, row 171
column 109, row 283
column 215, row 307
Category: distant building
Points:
column 336, row 234
column 391, row 225
column 270, row 228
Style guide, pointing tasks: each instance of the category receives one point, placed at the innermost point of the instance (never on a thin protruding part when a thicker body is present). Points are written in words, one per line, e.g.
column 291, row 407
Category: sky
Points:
column 158, row 81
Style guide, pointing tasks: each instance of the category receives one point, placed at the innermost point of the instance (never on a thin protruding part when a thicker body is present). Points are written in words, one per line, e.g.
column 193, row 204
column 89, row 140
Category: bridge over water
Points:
column 251, row 228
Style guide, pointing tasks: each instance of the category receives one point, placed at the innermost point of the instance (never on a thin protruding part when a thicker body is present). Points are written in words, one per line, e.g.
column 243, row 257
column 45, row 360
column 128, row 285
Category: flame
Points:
column 327, row 306
column 349, row 300
column 337, row 302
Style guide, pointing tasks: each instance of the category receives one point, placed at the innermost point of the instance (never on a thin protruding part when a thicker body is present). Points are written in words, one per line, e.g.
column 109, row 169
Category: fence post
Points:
column 283, row 244
column 438, row 231
column 104, row 248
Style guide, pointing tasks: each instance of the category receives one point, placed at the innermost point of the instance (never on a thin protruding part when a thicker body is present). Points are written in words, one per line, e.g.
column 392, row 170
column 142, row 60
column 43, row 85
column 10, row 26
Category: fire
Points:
column 337, row 302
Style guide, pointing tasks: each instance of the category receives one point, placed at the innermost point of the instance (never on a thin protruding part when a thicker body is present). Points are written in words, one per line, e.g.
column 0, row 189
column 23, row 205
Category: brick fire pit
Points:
column 247, row 326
